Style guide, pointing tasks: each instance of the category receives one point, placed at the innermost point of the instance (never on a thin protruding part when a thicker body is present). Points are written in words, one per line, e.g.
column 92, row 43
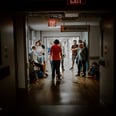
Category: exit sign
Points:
column 75, row 2
column 52, row 22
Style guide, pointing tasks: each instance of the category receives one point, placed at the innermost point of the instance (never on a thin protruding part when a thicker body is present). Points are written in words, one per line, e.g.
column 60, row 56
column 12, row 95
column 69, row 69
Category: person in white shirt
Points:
column 41, row 55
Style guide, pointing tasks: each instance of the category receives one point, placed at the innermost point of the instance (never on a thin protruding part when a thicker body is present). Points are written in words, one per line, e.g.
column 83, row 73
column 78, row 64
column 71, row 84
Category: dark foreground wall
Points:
column 28, row 5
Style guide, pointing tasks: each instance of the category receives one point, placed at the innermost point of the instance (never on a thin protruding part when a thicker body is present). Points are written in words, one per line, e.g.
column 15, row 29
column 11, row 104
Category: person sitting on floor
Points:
column 93, row 71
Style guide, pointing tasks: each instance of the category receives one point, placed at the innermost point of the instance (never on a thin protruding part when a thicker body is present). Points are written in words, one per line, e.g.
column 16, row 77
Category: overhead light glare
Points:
column 71, row 15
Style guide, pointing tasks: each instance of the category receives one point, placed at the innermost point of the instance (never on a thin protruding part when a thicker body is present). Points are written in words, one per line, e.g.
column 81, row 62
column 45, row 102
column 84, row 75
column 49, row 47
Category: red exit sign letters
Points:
column 76, row 2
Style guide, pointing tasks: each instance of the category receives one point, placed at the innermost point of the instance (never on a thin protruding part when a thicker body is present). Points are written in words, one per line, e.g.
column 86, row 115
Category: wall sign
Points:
column 74, row 28
column 76, row 2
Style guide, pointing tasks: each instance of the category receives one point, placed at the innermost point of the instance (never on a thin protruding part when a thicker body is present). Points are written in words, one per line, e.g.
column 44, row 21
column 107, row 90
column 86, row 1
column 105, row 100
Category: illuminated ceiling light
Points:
column 52, row 22
column 71, row 15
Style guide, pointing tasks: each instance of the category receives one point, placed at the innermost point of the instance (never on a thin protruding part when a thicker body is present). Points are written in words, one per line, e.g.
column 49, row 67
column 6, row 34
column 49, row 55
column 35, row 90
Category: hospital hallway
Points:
column 71, row 96
column 24, row 23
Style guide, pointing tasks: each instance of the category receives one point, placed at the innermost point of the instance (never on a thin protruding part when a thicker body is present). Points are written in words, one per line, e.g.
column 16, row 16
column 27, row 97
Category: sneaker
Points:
column 46, row 74
column 63, row 69
column 77, row 75
column 83, row 75
column 59, row 79
column 71, row 68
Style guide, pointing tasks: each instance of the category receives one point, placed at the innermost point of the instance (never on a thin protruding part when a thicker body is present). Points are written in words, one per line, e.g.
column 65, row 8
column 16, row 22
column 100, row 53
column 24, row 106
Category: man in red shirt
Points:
column 56, row 56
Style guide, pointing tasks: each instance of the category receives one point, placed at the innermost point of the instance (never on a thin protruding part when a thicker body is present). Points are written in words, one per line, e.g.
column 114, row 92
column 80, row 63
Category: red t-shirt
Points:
column 56, row 52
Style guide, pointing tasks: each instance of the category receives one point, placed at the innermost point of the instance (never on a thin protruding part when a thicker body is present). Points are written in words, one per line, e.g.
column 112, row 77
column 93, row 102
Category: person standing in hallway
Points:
column 63, row 56
column 40, row 51
column 56, row 56
column 86, row 57
column 77, row 57
column 74, row 48
column 48, row 51
column 82, row 58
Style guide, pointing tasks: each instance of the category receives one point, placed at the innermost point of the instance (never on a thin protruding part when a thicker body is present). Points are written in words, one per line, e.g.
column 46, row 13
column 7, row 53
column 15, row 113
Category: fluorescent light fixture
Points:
column 71, row 15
